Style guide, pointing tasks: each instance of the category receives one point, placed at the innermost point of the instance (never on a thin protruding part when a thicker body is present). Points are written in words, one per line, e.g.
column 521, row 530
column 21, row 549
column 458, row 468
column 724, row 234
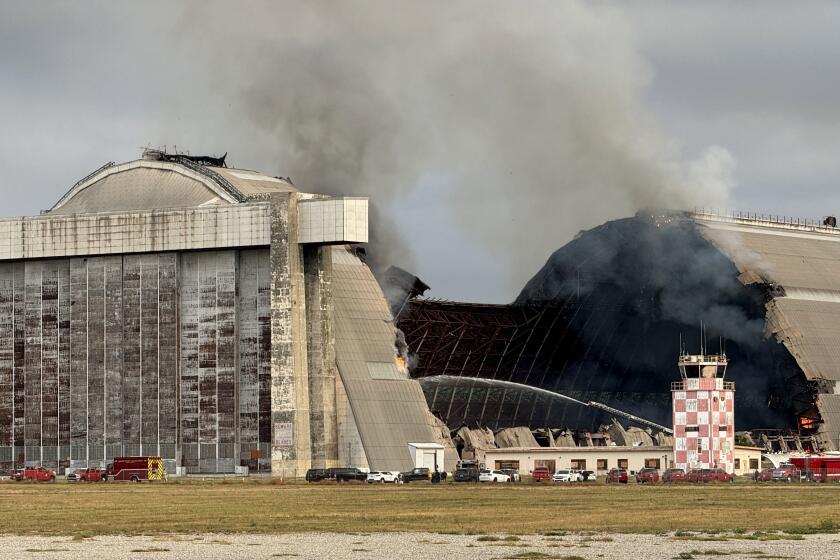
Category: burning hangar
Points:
column 606, row 317
column 216, row 317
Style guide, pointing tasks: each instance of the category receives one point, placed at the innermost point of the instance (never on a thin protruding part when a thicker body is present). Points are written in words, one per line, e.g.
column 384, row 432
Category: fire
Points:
column 807, row 423
column 400, row 361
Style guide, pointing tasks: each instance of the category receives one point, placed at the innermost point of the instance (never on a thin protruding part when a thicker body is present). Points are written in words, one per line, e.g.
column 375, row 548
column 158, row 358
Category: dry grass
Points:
column 258, row 507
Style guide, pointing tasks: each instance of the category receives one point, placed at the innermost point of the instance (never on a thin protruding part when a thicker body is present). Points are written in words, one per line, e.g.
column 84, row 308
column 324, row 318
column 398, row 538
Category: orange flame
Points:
column 400, row 361
column 807, row 423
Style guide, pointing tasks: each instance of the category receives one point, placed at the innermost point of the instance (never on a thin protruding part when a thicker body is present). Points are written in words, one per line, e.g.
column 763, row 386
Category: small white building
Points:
column 427, row 455
column 747, row 459
column 597, row 459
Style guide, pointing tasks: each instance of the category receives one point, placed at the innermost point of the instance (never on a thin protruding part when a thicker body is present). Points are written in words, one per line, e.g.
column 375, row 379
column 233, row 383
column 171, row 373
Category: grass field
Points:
column 261, row 507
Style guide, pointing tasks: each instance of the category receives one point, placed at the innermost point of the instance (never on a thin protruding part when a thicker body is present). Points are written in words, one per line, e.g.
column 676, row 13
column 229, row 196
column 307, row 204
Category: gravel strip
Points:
column 416, row 545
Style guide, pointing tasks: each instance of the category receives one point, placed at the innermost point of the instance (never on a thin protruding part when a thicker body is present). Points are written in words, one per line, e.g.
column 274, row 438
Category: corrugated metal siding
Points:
column 254, row 355
column 90, row 363
column 208, row 361
column 388, row 413
column 251, row 183
column 139, row 189
column 810, row 330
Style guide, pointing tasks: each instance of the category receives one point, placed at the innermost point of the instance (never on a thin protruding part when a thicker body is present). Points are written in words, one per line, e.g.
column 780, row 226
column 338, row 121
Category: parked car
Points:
column 764, row 475
column 617, row 475
column 567, row 475
column 420, row 473
column 540, row 473
column 694, row 475
column 674, row 475
column 786, row 472
column 317, row 475
column 37, row 474
column 467, row 473
column 513, row 474
column 647, row 475
column 493, row 476
column 716, row 475
column 350, row 474
column 91, row 475
column 72, row 477
column 383, row 476
column 589, row 475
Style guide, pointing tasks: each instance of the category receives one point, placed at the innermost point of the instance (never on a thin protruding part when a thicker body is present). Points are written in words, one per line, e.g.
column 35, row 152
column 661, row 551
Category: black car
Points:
column 466, row 474
column 317, row 475
column 348, row 474
column 416, row 474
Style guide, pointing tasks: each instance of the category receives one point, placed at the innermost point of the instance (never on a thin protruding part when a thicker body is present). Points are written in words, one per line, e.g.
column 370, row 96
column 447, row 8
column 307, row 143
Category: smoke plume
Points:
column 530, row 119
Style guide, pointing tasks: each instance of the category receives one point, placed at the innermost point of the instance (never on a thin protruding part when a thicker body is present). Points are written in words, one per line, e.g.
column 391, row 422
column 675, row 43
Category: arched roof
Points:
column 149, row 184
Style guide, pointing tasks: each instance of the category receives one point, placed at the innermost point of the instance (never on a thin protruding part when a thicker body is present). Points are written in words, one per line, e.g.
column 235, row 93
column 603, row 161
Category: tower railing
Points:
column 681, row 386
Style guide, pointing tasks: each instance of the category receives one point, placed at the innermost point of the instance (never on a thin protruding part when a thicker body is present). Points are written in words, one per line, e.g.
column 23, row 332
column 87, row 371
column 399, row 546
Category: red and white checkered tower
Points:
column 704, row 413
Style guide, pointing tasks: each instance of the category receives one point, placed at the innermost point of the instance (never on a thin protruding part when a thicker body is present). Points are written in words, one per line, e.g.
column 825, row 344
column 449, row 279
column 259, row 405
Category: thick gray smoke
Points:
column 527, row 121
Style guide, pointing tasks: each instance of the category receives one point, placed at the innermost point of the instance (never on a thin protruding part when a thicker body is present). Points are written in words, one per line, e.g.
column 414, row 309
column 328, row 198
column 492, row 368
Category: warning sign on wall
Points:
column 283, row 434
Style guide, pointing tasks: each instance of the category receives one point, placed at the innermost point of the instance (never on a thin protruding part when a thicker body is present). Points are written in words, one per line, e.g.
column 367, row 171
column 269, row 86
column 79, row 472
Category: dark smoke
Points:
column 655, row 279
column 531, row 121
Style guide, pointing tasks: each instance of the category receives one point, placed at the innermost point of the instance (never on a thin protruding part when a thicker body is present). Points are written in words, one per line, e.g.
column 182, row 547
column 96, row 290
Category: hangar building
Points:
column 606, row 317
column 216, row 317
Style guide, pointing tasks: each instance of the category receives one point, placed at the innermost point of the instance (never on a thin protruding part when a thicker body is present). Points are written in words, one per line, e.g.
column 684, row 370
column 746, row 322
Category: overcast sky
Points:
column 739, row 99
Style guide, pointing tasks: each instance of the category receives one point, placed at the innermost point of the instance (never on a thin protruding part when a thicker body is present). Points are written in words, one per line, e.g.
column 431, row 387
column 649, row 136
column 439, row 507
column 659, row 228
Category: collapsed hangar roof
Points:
column 175, row 182
column 801, row 260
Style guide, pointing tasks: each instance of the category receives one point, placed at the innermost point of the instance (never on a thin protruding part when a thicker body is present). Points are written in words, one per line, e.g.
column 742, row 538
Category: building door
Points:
column 429, row 460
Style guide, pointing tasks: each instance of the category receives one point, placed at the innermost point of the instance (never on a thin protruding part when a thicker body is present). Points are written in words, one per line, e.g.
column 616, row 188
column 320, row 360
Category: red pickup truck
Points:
column 541, row 473
column 38, row 474
column 91, row 475
column 617, row 475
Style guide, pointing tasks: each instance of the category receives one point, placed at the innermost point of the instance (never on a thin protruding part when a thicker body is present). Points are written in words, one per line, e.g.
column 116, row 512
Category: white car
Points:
column 493, row 476
column 567, row 475
column 383, row 476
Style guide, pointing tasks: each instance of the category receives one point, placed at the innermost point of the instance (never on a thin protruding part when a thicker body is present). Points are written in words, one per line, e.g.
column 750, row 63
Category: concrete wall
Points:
column 35, row 237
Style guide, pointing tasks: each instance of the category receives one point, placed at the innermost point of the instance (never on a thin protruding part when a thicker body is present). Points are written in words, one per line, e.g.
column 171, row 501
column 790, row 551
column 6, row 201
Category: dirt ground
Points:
column 572, row 546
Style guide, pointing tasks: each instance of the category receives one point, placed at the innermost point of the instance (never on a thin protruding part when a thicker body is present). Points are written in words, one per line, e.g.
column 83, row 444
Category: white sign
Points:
column 284, row 434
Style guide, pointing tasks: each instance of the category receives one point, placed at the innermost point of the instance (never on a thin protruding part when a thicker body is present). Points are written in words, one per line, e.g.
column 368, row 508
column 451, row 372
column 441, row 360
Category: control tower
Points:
column 704, row 413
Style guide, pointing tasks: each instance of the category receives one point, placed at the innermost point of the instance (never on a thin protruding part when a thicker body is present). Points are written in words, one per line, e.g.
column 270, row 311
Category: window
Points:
column 737, row 464
column 622, row 463
column 652, row 463
column 602, row 464
column 691, row 405
column 754, row 464
column 699, row 445
column 579, row 464
column 507, row 464
column 692, row 429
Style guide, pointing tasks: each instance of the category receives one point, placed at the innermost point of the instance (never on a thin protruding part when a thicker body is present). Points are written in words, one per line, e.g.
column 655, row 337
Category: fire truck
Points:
column 135, row 469
column 821, row 468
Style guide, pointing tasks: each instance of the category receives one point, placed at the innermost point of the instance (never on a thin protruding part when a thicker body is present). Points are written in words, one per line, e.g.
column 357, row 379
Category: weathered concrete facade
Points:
column 203, row 334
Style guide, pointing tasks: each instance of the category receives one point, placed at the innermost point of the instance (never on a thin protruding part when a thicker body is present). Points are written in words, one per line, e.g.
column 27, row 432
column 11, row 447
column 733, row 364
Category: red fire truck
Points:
column 135, row 469
column 821, row 468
